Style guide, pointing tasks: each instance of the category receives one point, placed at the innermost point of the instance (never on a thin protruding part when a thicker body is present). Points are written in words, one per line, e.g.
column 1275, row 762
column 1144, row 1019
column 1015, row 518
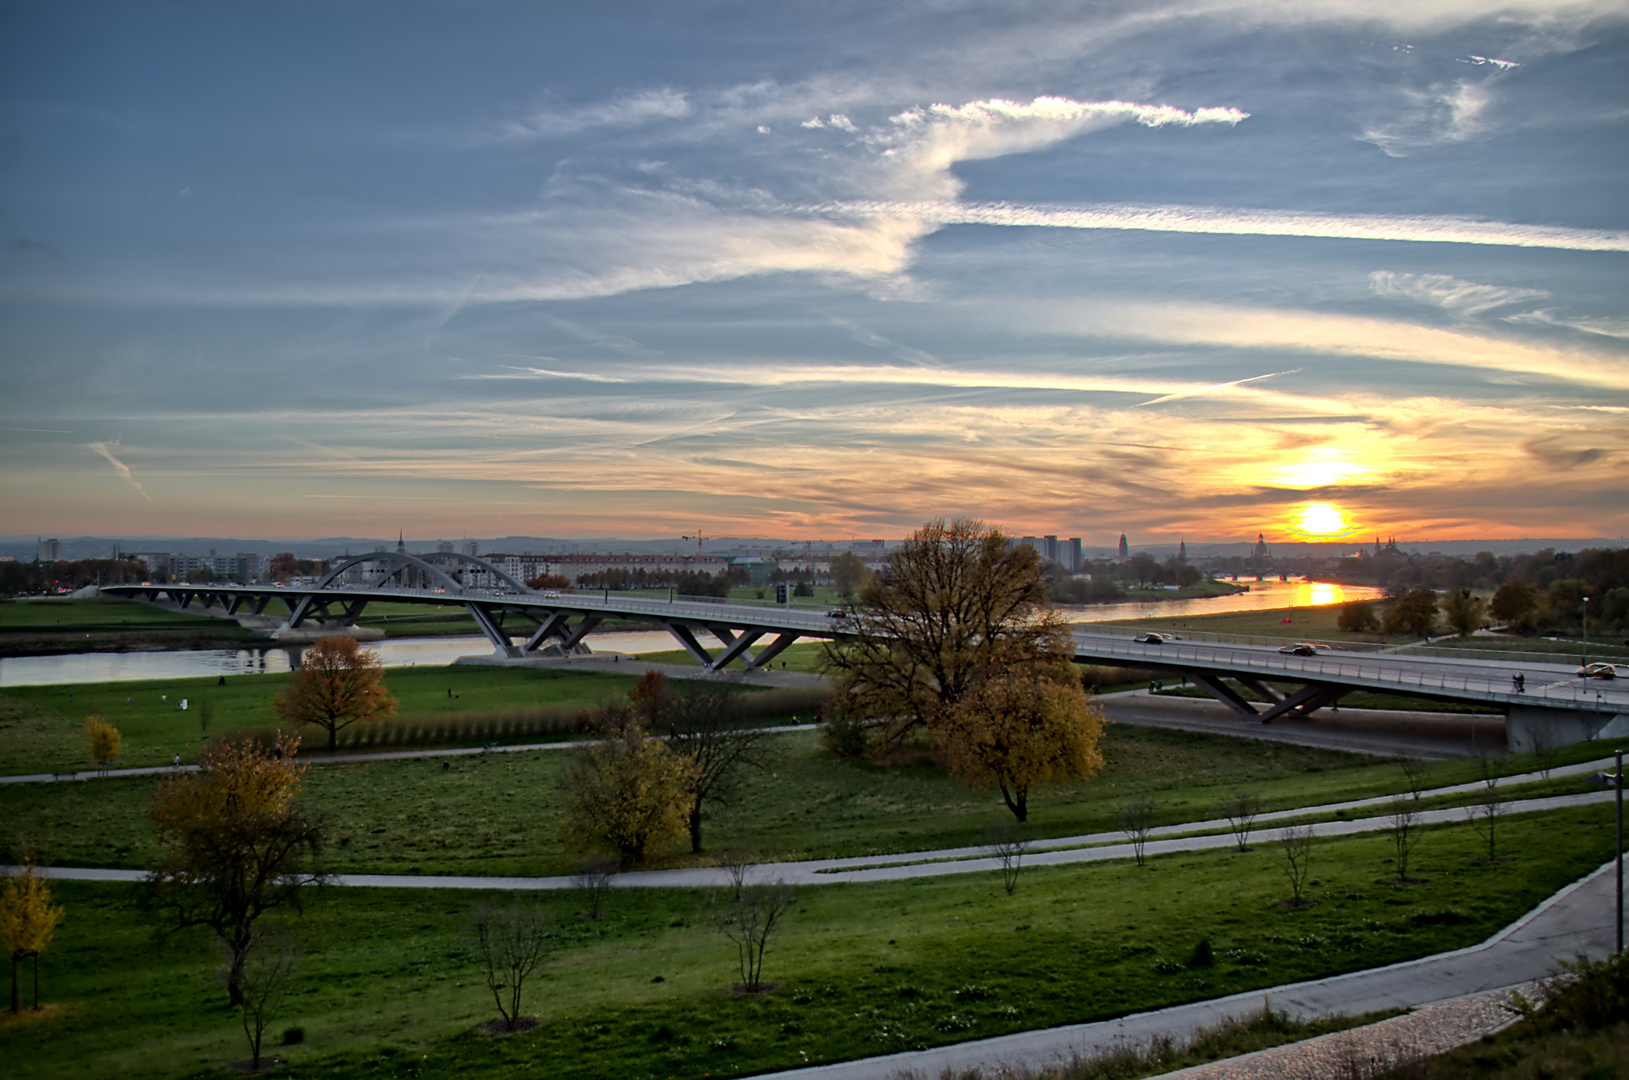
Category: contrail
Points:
column 1218, row 386
column 119, row 467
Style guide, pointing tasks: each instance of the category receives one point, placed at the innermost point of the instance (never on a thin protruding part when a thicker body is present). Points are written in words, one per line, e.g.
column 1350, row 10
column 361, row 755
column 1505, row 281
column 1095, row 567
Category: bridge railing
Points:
column 1301, row 669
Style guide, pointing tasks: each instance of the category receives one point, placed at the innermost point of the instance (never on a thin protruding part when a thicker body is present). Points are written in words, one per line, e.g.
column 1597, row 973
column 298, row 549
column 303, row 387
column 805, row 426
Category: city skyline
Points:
column 1193, row 268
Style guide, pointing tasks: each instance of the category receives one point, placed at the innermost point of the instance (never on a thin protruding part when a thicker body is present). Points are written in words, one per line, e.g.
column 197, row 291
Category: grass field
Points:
column 38, row 627
column 388, row 986
column 40, row 726
column 499, row 813
column 1304, row 622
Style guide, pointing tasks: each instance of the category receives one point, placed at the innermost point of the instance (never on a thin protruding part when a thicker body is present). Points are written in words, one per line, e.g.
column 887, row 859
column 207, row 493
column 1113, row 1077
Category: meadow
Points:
column 388, row 984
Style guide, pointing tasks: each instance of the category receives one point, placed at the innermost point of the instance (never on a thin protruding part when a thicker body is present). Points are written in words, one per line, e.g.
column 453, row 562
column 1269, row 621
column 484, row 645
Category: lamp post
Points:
column 1583, row 624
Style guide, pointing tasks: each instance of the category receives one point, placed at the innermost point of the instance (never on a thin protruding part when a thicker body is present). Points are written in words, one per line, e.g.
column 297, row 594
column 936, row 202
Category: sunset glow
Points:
column 1321, row 520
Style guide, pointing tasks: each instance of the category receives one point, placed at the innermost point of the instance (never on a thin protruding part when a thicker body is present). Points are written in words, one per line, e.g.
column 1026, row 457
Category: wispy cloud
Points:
column 119, row 467
column 1460, row 298
column 1439, row 115
column 1218, row 386
column 1605, row 327
column 629, row 110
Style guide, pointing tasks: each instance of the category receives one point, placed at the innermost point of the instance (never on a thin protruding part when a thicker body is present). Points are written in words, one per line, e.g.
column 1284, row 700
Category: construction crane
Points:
column 699, row 538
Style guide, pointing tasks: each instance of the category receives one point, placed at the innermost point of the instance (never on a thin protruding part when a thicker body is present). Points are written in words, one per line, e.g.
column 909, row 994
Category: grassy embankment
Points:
column 48, row 627
column 388, row 984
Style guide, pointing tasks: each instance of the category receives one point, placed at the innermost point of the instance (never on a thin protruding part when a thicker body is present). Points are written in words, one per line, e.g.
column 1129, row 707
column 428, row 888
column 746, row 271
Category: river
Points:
column 407, row 652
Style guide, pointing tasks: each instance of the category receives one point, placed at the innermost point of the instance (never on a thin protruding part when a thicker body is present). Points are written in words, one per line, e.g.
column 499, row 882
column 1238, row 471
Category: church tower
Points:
column 1125, row 549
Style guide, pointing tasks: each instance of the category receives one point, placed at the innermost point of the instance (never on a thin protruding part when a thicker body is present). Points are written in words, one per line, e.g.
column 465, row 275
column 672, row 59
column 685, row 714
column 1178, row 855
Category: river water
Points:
column 407, row 652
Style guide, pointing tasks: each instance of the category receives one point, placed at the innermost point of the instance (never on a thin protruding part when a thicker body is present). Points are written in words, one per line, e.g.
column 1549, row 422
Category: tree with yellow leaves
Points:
column 626, row 792
column 104, row 740
column 339, row 684
column 27, row 920
column 236, row 845
column 1019, row 729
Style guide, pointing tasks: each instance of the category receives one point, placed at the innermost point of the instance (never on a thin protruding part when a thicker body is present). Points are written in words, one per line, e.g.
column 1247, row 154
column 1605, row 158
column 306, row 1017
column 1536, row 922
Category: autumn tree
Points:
column 1518, row 605
column 104, row 740
column 235, row 844
column 27, row 920
column 1357, row 618
column 703, row 725
column 1464, row 612
column 549, row 581
column 1016, row 730
column 338, row 684
column 625, row 792
column 954, row 606
column 1413, row 613
column 283, row 566
column 848, row 573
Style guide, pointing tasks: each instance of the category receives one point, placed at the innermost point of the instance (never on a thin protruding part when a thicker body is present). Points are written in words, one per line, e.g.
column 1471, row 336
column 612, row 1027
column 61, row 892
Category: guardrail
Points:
column 1386, row 676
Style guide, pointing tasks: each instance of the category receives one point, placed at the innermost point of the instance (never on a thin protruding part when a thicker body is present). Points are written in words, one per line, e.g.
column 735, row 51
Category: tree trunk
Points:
column 333, row 734
column 1017, row 801
column 695, row 827
column 16, row 988
column 36, row 982
column 234, row 975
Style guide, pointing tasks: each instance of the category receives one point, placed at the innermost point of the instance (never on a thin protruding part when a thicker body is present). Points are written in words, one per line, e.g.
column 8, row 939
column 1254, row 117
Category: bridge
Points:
column 1554, row 706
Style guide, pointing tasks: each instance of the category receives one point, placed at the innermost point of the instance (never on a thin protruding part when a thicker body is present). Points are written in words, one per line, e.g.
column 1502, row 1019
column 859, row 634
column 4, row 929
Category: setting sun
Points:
column 1321, row 519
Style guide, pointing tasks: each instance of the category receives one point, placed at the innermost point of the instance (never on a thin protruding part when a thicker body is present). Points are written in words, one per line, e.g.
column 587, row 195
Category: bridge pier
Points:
column 1529, row 726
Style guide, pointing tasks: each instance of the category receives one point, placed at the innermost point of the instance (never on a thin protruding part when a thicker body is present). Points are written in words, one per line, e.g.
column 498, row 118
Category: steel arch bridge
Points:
column 1552, row 704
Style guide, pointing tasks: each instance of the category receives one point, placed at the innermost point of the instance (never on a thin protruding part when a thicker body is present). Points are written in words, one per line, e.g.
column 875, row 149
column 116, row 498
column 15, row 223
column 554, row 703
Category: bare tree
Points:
column 1241, row 809
column 1007, row 843
column 593, row 881
column 1404, row 826
column 512, row 942
column 1545, row 750
column 735, row 865
column 263, row 974
column 748, row 919
column 703, row 724
column 1294, row 858
column 1484, row 813
column 1414, row 775
column 1137, row 821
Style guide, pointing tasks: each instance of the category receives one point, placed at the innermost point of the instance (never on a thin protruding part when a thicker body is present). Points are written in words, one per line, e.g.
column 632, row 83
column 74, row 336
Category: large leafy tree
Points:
column 339, row 684
column 1465, row 612
column 27, row 920
column 236, row 845
column 1413, row 613
column 956, row 604
column 1518, row 605
column 703, row 724
column 1016, row 730
column 625, row 792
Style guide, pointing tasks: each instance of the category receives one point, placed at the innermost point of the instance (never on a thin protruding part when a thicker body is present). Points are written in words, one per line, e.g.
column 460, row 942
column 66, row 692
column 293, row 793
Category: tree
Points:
column 625, row 792
column 235, row 844
column 593, row 881
column 1485, row 812
column 283, row 566
column 848, row 573
column 955, row 605
column 703, row 725
column 1465, row 613
column 200, row 575
column 1137, row 822
column 338, row 684
column 549, row 581
column 1413, row 613
column 1241, row 809
column 1006, row 844
column 27, row 920
column 264, row 975
column 748, row 917
column 104, row 740
column 1357, row 618
column 1404, row 825
column 512, row 942
column 1016, row 730
column 1518, row 605
column 1295, row 858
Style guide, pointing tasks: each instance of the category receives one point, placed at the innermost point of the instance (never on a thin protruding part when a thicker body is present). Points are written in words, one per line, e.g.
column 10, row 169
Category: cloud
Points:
column 1616, row 328
column 119, row 467
column 1232, row 221
column 1462, row 299
column 1434, row 117
column 630, row 110
column 1218, row 386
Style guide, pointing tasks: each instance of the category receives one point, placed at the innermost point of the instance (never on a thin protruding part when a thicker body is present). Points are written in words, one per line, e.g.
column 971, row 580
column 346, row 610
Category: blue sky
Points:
column 1177, row 269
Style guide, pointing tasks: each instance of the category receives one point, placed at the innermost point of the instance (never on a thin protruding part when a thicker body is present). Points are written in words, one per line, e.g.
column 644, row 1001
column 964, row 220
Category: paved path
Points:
column 1099, row 847
column 1578, row 919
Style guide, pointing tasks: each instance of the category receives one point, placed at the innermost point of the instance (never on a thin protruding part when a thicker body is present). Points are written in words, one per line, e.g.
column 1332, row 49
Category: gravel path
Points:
column 1359, row 1052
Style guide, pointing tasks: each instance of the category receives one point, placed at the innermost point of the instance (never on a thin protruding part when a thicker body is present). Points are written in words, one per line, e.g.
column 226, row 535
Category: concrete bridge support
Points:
column 1530, row 726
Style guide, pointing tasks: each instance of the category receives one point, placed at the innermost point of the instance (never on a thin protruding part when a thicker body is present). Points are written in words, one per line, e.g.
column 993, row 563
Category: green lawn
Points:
column 40, row 726
column 37, row 627
column 1304, row 622
column 499, row 813
column 388, row 986
column 804, row 656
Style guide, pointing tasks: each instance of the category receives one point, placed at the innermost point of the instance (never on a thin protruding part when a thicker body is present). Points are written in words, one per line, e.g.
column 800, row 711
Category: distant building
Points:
column 1049, row 547
column 444, row 547
column 1182, row 551
column 471, row 548
column 50, row 550
column 1125, row 548
column 1070, row 555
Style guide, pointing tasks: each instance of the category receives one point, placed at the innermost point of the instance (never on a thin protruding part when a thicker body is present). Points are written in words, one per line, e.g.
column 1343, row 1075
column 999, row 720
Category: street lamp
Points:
column 1583, row 622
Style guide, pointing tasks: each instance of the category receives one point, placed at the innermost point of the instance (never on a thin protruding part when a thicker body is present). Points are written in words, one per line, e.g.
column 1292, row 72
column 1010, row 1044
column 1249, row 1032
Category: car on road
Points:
column 837, row 613
column 1300, row 648
column 1598, row 671
column 1154, row 639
